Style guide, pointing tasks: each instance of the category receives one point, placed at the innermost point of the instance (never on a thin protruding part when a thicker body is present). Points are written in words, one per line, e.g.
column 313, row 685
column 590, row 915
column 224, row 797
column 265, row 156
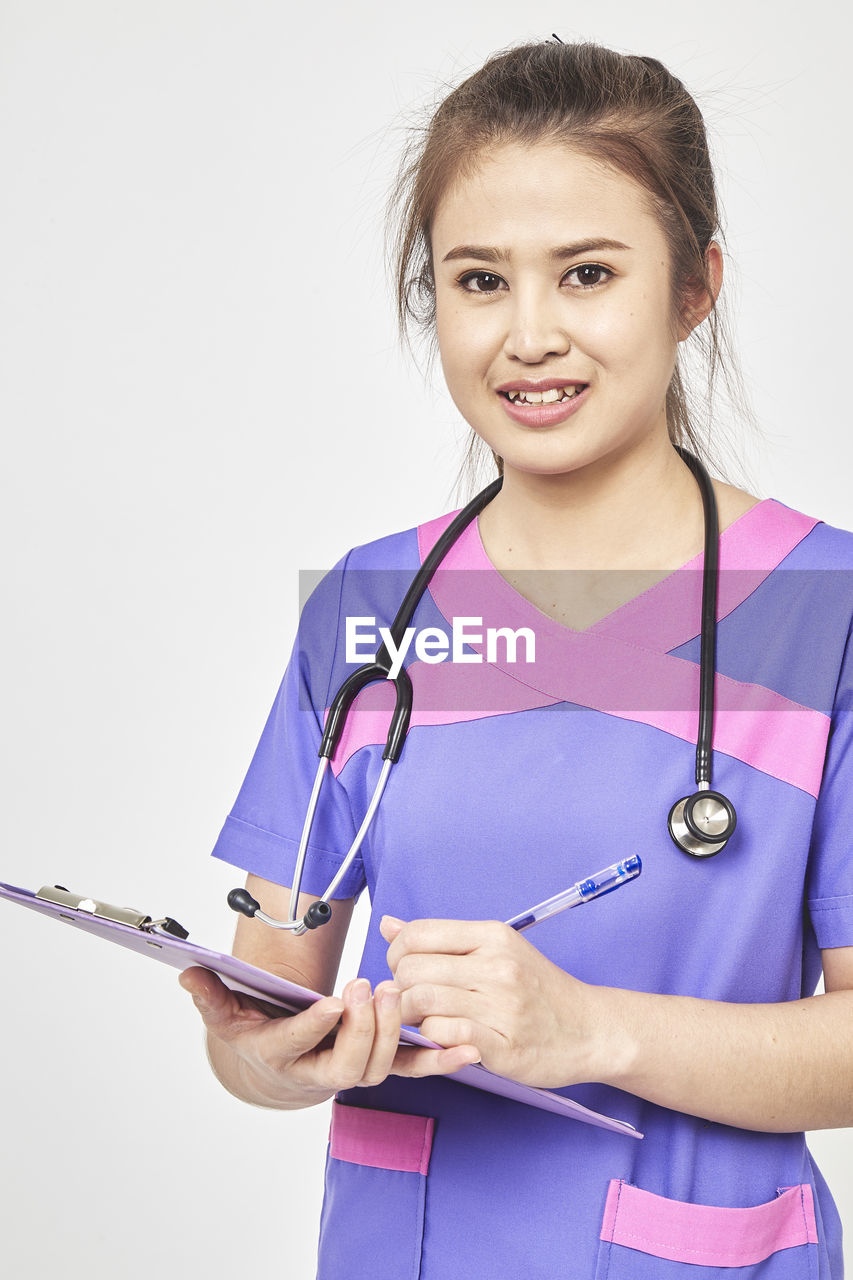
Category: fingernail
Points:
column 389, row 927
column 332, row 1011
column 201, row 1004
column 389, row 997
column 361, row 991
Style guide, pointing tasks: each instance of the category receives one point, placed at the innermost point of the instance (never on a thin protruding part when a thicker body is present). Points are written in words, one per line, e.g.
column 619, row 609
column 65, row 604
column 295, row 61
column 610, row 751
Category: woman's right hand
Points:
column 303, row 1058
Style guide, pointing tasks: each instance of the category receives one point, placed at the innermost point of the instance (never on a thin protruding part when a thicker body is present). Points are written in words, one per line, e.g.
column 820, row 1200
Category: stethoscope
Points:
column 700, row 824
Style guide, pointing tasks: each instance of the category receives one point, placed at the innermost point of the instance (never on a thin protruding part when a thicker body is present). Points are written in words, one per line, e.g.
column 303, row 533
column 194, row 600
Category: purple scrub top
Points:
column 517, row 779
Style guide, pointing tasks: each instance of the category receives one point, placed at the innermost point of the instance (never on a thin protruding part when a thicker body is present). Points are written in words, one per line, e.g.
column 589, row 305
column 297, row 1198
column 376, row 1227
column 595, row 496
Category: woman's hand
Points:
column 479, row 982
column 297, row 1059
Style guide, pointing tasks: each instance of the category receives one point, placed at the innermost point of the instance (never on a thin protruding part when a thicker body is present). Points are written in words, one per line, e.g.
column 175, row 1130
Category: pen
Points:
column 593, row 887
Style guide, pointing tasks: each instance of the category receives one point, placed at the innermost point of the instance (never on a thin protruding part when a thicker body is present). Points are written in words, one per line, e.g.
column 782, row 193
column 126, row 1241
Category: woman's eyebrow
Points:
column 484, row 254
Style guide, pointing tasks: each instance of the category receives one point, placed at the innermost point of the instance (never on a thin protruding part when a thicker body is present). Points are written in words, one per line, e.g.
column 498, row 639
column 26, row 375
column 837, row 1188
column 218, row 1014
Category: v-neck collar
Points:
column 661, row 618
column 480, row 560
column 624, row 665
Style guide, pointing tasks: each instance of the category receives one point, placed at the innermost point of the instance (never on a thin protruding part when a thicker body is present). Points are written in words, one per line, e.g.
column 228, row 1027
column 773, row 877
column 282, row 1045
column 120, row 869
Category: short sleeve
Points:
column 262, row 832
column 829, row 888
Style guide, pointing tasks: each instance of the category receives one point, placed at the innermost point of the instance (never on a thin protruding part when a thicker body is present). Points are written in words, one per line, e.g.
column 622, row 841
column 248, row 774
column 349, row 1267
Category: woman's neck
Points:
column 642, row 513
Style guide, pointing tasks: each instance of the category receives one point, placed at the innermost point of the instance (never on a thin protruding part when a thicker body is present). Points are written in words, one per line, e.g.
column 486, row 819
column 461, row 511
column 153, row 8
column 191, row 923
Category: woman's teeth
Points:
column 544, row 397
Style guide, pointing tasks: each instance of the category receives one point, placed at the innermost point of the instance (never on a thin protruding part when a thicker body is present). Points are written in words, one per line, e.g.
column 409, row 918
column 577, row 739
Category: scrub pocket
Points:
column 648, row 1237
column 372, row 1223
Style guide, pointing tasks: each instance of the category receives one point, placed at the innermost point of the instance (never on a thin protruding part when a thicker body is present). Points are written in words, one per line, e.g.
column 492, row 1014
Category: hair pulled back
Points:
column 625, row 111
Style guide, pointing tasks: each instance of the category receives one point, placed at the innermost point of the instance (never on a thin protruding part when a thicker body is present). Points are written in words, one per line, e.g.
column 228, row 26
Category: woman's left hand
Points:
column 480, row 982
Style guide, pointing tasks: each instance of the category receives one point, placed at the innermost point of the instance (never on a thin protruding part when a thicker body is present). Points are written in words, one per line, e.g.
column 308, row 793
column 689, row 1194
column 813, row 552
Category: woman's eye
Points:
column 478, row 275
column 586, row 283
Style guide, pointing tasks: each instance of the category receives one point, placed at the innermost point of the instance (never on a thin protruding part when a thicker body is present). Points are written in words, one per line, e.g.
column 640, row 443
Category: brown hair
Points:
column 622, row 110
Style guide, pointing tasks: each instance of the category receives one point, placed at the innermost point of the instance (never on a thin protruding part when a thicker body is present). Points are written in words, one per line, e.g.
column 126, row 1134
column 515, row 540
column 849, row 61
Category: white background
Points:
column 201, row 395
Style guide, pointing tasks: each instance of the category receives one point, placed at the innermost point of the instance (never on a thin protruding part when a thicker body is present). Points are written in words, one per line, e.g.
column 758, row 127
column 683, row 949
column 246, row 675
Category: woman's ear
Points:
column 698, row 301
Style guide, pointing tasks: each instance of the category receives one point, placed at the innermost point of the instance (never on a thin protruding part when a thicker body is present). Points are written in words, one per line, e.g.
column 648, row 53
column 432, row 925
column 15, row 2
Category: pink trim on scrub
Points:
column 751, row 723
column 383, row 1139
column 704, row 1234
column 619, row 666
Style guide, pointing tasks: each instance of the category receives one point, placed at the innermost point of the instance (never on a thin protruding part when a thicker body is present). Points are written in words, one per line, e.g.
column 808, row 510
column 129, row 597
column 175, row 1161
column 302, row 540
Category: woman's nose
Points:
column 536, row 328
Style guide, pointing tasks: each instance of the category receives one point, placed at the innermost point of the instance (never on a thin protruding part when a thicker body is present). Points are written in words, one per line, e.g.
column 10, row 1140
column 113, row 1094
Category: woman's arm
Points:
column 778, row 1068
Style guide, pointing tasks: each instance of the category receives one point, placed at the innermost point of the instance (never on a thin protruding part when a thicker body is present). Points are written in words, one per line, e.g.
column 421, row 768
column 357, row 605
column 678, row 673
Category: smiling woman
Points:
column 558, row 239
column 602, row 324
column 632, row 118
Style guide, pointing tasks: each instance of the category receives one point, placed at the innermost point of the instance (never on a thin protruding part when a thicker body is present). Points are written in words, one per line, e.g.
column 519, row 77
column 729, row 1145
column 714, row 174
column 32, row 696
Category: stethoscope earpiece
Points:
column 702, row 824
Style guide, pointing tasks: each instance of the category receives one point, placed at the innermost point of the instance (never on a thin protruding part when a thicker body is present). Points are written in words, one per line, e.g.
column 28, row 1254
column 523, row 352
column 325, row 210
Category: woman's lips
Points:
column 542, row 415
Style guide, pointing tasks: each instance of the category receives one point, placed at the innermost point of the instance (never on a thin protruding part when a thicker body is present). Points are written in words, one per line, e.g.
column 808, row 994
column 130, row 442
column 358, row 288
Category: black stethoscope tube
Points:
column 708, row 635
column 379, row 669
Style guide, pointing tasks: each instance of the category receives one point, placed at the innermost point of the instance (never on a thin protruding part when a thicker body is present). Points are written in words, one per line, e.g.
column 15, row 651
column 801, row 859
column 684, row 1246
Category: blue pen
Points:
column 593, row 887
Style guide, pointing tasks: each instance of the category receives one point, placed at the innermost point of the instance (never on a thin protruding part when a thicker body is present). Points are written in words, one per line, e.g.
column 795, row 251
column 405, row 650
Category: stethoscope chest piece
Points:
column 702, row 824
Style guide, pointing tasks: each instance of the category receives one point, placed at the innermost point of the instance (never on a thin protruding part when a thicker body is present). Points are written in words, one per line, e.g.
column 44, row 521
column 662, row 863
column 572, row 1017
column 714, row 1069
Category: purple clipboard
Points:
column 152, row 938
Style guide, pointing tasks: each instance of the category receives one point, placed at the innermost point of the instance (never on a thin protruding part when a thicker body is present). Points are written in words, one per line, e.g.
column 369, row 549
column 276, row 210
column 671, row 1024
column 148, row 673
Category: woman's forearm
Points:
column 779, row 1068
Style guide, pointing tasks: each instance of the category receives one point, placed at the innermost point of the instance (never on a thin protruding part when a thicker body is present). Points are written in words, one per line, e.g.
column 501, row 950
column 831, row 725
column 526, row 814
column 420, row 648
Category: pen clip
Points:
column 627, row 869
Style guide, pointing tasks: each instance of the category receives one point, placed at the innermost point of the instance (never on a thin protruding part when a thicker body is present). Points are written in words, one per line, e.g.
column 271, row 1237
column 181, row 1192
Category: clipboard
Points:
column 167, row 941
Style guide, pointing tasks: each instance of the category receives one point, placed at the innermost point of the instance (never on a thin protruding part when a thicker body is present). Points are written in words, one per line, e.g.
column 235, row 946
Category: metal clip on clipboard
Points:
column 119, row 915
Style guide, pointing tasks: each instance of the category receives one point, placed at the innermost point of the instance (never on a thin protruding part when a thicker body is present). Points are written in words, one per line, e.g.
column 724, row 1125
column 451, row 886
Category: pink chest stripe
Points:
column 620, row 665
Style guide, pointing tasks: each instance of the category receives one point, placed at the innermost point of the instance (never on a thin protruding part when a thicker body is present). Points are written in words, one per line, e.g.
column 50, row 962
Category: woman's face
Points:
column 507, row 311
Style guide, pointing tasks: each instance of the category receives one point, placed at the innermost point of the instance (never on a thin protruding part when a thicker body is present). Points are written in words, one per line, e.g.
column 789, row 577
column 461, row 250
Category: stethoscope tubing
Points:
column 708, row 625
column 379, row 669
column 300, row 926
column 684, row 831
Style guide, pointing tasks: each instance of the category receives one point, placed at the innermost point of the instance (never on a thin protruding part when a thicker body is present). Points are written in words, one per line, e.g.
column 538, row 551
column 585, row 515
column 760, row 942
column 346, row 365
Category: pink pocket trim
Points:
column 383, row 1139
column 705, row 1234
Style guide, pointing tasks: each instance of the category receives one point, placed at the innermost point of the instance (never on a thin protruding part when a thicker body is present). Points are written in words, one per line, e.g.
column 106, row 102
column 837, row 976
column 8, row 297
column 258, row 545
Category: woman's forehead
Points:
column 532, row 193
